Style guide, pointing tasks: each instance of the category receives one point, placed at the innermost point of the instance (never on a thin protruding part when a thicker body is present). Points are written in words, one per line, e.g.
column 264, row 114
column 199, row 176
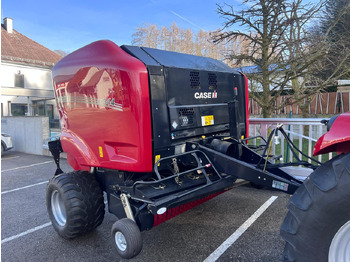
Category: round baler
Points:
column 157, row 133
column 126, row 115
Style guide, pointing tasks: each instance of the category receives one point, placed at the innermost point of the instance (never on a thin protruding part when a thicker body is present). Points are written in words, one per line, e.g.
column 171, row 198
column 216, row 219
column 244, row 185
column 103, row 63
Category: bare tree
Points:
column 178, row 39
column 61, row 53
column 267, row 25
column 147, row 35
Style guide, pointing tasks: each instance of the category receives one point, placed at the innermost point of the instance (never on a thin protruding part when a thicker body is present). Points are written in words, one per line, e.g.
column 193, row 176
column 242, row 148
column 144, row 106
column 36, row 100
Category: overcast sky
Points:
column 70, row 24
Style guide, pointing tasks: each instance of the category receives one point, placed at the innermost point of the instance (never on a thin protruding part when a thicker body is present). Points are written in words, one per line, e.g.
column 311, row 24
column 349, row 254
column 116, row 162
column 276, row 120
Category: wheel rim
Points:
column 340, row 246
column 120, row 241
column 58, row 209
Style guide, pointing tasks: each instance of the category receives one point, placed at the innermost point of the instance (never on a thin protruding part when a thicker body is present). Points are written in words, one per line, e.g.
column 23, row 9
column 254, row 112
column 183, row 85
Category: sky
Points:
column 70, row 24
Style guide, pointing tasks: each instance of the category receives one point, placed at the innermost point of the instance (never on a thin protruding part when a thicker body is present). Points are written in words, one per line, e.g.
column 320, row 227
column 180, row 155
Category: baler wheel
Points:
column 127, row 237
column 317, row 225
column 74, row 203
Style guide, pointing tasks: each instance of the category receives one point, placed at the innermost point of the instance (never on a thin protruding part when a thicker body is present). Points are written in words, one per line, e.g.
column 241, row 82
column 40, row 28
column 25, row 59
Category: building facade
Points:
column 26, row 80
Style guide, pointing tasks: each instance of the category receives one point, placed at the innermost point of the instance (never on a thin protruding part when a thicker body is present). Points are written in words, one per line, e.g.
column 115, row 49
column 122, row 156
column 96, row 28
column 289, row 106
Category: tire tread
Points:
column 84, row 203
column 307, row 215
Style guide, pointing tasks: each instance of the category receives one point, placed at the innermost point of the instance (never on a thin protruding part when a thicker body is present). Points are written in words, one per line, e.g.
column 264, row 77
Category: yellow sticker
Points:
column 207, row 120
column 156, row 159
column 101, row 151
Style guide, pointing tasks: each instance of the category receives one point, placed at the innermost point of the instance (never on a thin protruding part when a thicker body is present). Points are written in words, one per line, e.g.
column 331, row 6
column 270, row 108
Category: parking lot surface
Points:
column 246, row 218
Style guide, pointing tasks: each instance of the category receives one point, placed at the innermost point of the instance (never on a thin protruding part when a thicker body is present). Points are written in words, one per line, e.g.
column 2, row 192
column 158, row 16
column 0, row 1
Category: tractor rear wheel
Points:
column 74, row 203
column 317, row 225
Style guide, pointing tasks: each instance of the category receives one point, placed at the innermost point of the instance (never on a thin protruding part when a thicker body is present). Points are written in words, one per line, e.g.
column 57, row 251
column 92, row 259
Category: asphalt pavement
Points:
column 248, row 219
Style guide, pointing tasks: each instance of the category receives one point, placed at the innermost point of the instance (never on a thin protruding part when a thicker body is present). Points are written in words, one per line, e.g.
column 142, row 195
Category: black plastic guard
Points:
column 55, row 148
column 181, row 198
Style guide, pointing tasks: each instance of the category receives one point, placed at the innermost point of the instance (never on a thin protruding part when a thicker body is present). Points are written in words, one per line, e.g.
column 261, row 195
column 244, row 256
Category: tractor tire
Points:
column 317, row 225
column 127, row 237
column 75, row 203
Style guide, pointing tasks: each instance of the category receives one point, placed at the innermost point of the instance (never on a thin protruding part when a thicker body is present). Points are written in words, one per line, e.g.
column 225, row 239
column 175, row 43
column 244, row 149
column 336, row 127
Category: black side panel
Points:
column 160, row 116
column 240, row 84
column 196, row 97
column 140, row 54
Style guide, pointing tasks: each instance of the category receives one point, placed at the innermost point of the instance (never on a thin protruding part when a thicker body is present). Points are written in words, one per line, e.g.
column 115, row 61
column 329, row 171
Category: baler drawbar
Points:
column 159, row 132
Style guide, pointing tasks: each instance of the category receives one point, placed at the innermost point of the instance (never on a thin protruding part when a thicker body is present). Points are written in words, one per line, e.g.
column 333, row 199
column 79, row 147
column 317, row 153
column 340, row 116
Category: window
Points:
column 49, row 111
column 19, row 79
column 39, row 108
column 19, row 109
column 42, row 109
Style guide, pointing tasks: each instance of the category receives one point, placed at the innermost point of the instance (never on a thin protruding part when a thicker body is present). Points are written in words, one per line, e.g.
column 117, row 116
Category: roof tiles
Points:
column 18, row 48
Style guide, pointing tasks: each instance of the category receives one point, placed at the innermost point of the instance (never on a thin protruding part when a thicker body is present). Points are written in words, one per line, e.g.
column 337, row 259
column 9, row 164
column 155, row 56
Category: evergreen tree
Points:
column 335, row 27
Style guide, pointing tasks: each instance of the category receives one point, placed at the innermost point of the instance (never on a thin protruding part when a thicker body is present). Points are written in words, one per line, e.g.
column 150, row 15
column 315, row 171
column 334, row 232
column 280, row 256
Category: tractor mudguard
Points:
column 337, row 139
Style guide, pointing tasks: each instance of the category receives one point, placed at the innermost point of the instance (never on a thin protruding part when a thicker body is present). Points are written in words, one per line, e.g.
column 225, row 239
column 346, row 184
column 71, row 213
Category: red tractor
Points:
column 317, row 225
column 158, row 133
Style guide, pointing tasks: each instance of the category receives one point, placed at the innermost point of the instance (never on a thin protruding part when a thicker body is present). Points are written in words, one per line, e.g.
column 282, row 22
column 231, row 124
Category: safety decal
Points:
column 207, row 120
column 101, row 151
column 156, row 159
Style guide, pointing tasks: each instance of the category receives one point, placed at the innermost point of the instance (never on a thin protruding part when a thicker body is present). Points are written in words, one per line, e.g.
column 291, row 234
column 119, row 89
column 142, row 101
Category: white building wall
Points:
column 34, row 78
column 28, row 133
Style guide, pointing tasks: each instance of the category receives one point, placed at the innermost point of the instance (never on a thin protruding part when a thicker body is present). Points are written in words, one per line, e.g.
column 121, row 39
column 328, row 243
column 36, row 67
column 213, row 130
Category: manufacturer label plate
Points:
column 280, row 185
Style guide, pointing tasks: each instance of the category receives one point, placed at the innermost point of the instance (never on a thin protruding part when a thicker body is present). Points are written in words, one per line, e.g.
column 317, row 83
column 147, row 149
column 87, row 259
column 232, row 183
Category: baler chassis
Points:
column 208, row 167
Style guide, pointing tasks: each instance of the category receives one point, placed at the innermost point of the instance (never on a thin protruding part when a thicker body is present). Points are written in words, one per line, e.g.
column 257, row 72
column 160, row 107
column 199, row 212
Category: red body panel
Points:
column 104, row 108
column 337, row 139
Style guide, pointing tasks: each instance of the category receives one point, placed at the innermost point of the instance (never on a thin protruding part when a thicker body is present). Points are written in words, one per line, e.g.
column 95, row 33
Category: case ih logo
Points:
column 205, row 95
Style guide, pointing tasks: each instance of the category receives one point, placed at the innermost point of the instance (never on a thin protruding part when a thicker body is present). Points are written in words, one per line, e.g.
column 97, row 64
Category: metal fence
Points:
column 304, row 132
column 321, row 104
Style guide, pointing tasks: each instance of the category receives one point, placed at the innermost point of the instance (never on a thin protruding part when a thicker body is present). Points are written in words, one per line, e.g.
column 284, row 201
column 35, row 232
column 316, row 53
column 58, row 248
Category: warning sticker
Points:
column 157, row 157
column 207, row 120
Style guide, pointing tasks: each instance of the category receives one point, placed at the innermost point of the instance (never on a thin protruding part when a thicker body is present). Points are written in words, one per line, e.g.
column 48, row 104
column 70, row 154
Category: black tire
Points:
column 127, row 238
column 317, row 211
column 75, row 203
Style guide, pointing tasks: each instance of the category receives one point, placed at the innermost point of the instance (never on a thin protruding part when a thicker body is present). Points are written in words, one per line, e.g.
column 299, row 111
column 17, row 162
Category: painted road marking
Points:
column 11, row 157
column 38, row 164
column 25, row 233
column 24, row 187
column 232, row 239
